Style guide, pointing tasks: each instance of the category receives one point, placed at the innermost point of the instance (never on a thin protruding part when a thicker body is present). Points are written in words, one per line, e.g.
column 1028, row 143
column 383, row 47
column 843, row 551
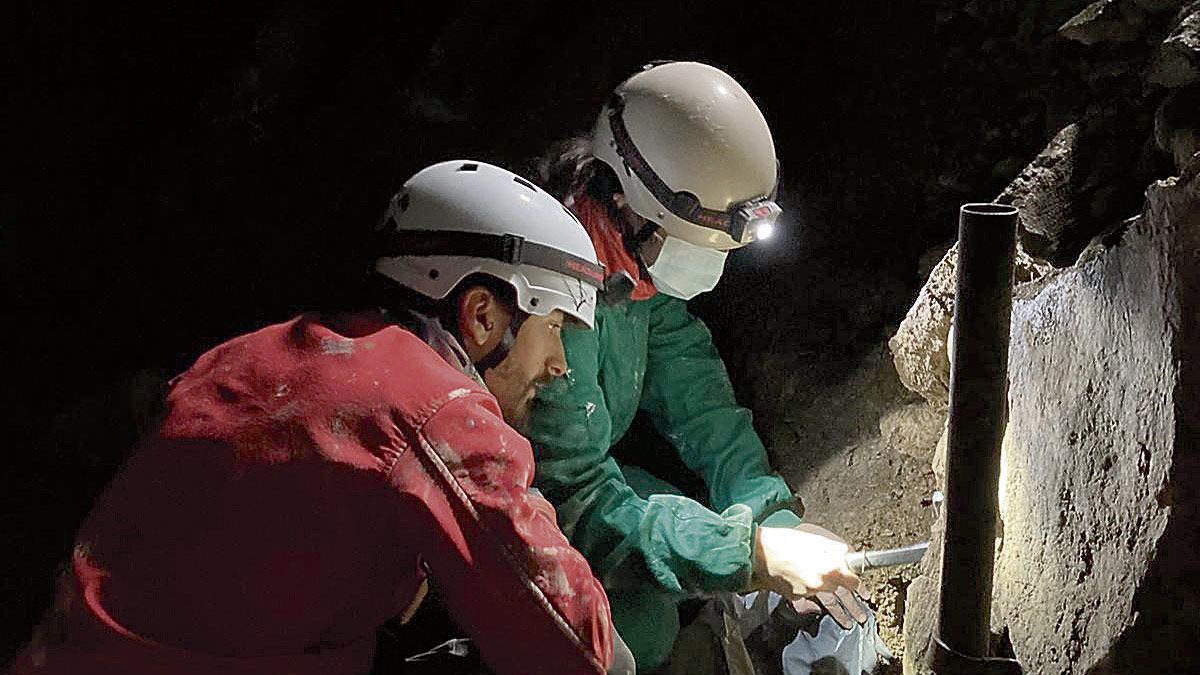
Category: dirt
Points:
column 872, row 489
column 885, row 490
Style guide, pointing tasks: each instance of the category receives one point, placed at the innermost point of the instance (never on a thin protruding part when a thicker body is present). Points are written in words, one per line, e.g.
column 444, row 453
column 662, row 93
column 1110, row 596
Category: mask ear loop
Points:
column 635, row 241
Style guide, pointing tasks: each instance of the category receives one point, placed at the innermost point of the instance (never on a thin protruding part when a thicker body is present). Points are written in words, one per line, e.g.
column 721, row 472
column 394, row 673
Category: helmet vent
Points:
column 521, row 181
column 404, row 200
column 469, row 166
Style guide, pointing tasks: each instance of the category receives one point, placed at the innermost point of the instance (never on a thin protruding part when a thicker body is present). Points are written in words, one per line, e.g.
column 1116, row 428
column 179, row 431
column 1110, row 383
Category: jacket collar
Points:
column 431, row 332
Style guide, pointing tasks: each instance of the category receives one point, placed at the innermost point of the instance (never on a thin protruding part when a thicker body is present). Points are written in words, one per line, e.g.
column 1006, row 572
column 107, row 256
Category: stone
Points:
column 921, row 609
column 1177, row 61
column 1105, row 21
column 1073, row 191
column 1177, row 125
column 1086, row 179
column 913, row 429
column 1100, row 491
column 939, row 460
column 1156, row 6
column 1044, row 190
column 919, row 347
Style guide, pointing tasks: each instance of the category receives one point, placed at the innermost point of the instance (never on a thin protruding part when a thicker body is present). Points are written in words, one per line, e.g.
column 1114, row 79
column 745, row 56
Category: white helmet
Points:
column 693, row 154
column 462, row 217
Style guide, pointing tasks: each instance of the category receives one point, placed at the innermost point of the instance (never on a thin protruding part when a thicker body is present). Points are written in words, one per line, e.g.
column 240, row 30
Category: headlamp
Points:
column 753, row 220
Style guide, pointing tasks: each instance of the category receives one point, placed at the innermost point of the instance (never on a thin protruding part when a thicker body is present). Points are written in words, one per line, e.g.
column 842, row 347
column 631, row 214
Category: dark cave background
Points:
column 179, row 173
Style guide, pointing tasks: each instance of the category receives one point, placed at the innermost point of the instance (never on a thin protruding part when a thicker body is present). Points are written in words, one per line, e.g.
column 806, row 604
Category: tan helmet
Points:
column 693, row 154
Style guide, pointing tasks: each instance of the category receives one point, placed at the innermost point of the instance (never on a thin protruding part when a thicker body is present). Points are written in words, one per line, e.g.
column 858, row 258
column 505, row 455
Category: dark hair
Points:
column 568, row 166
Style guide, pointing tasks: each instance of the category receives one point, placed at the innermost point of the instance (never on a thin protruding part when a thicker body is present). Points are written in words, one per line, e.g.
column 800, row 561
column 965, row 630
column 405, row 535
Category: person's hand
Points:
column 801, row 561
column 846, row 607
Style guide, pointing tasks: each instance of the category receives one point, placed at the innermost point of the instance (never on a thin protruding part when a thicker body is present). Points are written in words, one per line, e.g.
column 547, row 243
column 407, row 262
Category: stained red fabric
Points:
column 610, row 245
column 304, row 482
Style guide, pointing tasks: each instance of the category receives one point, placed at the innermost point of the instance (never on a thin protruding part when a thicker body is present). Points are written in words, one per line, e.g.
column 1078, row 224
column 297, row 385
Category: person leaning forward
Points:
column 308, row 479
column 680, row 169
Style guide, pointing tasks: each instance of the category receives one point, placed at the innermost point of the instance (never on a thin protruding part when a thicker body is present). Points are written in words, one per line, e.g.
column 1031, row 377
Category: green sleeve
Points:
column 690, row 400
column 668, row 540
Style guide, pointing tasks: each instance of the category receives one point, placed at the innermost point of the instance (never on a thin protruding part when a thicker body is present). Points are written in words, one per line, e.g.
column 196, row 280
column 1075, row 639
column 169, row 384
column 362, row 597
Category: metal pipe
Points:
column 978, row 413
column 888, row 557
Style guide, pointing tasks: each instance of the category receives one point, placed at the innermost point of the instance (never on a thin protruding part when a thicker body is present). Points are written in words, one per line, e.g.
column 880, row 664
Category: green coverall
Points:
column 650, row 551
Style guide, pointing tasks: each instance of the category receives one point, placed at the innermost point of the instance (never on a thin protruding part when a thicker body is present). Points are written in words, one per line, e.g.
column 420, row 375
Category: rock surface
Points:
column 1105, row 21
column 1177, row 62
column 1096, row 567
column 1085, row 180
column 919, row 347
column 1081, row 183
column 913, row 428
column 858, row 454
column 1177, row 125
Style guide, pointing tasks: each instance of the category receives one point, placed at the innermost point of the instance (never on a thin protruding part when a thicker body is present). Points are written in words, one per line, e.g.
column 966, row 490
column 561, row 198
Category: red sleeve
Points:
column 506, row 572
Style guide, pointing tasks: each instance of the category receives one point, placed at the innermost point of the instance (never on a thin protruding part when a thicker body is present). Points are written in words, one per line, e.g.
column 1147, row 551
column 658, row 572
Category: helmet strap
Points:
column 634, row 241
column 502, row 348
column 645, row 232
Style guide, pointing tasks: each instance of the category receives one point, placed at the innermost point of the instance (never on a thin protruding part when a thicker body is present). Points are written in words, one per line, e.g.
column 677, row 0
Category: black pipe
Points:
column 978, row 412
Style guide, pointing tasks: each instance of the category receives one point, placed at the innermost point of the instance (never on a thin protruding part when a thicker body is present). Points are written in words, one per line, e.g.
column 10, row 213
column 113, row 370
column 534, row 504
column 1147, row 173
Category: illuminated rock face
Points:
column 920, row 346
column 1096, row 570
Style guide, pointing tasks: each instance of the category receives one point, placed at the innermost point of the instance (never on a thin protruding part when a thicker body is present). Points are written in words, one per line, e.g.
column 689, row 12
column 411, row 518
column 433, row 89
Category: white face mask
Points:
column 683, row 270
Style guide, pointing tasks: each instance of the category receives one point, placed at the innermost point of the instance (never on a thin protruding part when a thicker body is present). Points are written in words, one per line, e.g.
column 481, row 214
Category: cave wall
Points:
column 183, row 173
column 1097, row 456
column 1098, row 478
column 1096, row 565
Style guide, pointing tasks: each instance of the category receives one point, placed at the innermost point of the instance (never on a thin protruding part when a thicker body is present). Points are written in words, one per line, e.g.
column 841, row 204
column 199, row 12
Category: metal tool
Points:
column 888, row 557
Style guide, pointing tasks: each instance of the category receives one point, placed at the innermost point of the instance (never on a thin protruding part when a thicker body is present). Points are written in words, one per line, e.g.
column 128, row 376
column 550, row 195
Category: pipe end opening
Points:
column 988, row 209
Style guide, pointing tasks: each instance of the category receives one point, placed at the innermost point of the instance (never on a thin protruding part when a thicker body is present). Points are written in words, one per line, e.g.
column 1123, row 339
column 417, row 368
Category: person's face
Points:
column 536, row 358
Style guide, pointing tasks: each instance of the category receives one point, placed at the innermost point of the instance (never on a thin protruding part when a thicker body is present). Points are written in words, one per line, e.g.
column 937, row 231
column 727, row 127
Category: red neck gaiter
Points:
column 610, row 245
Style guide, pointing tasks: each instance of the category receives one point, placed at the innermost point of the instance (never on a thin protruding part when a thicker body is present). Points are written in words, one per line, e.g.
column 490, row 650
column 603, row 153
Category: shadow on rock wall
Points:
column 185, row 173
column 1096, row 568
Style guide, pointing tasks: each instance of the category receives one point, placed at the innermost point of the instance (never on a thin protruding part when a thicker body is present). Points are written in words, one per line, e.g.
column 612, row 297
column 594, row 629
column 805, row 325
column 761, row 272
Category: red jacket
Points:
column 302, row 486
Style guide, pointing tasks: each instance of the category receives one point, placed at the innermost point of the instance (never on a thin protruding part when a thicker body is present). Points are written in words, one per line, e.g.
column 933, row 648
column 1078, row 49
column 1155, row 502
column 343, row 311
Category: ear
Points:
column 482, row 320
column 619, row 200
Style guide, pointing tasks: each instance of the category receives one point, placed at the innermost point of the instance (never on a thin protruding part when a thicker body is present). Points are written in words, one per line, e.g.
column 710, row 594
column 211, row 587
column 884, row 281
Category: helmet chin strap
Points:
column 500, row 351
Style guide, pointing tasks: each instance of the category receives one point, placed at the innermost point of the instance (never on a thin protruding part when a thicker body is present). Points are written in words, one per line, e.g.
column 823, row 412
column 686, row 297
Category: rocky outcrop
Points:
column 1075, row 190
column 1090, row 176
column 1105, row 21
column 1176, row 65
column 1177, row 62
column 919, row 346
column 1177, row 125
column 1095, row 567
column 1096, row 570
